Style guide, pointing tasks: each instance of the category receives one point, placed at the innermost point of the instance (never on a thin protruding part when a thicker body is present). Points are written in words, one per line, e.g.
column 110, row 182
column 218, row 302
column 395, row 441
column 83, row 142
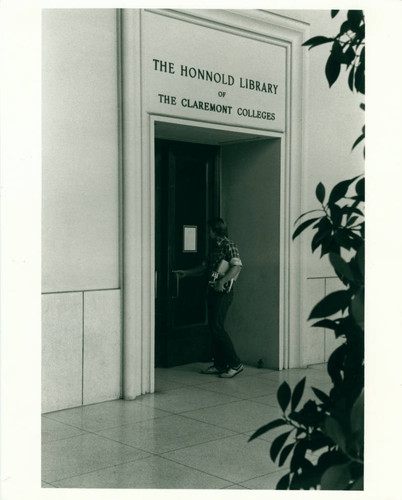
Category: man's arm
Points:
column 189, row 273
column 232, row 273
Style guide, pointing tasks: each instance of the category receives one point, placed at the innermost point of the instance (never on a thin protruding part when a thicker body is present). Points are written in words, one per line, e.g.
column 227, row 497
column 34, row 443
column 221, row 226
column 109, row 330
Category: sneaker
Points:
column 231, row 372
column 212, row 370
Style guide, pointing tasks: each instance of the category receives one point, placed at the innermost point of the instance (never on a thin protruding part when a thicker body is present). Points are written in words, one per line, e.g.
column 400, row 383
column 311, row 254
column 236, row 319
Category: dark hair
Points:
column 218, row 226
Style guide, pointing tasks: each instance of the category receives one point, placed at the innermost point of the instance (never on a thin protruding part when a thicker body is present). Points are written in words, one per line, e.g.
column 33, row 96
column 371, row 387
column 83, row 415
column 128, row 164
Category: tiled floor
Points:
column 192, row 433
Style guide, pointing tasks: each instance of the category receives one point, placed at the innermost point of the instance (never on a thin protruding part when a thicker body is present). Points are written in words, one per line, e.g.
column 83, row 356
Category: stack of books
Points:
column 219, row 273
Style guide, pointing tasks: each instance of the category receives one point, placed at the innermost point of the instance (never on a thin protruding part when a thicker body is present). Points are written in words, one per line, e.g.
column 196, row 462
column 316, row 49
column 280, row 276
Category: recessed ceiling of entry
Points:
column 203, row 135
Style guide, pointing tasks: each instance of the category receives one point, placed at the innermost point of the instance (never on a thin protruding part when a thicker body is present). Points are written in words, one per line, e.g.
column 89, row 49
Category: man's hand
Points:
column 180, row 273
column 188, row 273
column 219, row 286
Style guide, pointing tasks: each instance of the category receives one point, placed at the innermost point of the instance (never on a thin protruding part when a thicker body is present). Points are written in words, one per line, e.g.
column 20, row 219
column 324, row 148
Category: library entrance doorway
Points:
column 201, row 173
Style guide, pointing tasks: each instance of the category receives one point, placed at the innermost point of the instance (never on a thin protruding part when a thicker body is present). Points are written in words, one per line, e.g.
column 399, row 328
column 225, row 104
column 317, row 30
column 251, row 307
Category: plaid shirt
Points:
column 223, row 249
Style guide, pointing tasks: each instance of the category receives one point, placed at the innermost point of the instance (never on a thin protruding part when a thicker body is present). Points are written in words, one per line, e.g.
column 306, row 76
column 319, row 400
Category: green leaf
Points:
column 341, row 267
column 303, row 226
column 265, row 428
column 321, row 395
column 285, row 453
column 357, row 415
column 349, row 56
column 360, row 259
column 348, row 324
column 363, row 56
column 351, row 221
column 330, row 458
column 326, row 323
column 336, row 478
column 317, row 40
column 345, row 26
column 298, row 457
column 320, row 192
column 344, row 237
column 332, row 303
column 360, row 188
column 283, row 395
column 360, row 79
column 337, row 52
column 361, row 33
column 317, row 240
column 358, row 484
column 277, row 445
column 306, row 213
column 333, row 429
column 324, row 231
column 340, row 190
column 283, row 483
column 357, row 308
column 351, row 78
column 332, row 69
column 307, row 416
column 354, row 210
column 334, row 13
column 318, row 441
column 336, row 214
column 298, row 393
column 355, row 17
column 336, row 362
column 358, row 141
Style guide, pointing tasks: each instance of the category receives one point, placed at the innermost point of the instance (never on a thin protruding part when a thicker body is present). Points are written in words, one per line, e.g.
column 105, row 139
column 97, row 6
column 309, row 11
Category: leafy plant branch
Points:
column 324, row 449
column 348, row 49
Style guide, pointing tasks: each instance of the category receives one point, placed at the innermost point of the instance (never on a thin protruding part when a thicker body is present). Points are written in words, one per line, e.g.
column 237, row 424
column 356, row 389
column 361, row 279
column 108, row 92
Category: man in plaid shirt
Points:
column 220, row 296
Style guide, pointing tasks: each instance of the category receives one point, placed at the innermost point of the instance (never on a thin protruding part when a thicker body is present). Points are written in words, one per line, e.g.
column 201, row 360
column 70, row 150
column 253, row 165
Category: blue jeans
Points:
column 223, row 350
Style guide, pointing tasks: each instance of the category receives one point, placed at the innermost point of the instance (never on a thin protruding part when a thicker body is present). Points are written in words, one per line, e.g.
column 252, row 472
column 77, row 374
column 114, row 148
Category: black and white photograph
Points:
column 184, row 257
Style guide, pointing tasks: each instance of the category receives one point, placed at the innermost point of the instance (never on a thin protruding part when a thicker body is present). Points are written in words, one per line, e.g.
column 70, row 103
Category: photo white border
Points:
column 20, row 251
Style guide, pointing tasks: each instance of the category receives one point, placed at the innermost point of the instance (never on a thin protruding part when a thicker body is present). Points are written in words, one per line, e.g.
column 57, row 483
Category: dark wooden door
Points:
column 186, row 183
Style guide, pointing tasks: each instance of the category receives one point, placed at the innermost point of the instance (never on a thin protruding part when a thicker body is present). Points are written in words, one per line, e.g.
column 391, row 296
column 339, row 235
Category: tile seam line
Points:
column 87, row 431
column 89, row 290
column 61, row 422
column 208, row 473
column 239, row 398
column 267, row 474
column 234, row 433
column 97, row 431
column 194, row 468
column 216, row 406
column 263, row 475
column 64, row 438
column 214, row 391
column 162, row 454
column 156, row 453
column 91, row 433
column 97, row 470
column 195, row 409
column 150, row 455
column 207, row 390
column 263, row 404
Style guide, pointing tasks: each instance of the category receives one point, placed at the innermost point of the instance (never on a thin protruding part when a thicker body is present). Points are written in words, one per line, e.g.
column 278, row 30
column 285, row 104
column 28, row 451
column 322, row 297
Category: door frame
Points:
column 138, row 197
column 289, row 255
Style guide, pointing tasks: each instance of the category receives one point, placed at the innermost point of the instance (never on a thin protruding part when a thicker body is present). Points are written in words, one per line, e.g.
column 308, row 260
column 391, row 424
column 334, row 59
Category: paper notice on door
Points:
column 189, row 238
